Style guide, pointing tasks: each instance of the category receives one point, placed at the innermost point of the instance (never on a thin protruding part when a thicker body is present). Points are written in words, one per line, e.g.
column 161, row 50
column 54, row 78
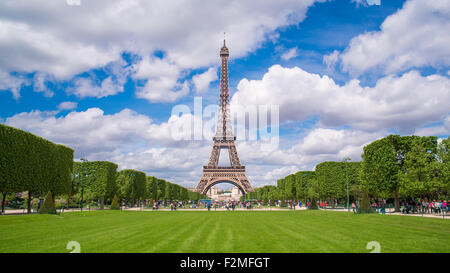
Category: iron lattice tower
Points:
column 224, row 139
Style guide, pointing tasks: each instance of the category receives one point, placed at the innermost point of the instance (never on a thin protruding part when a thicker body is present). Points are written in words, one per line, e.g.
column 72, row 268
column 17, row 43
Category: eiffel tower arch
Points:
column 224, row 140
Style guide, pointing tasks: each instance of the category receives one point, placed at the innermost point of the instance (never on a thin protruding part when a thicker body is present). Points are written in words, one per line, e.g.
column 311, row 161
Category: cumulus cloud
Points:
column 118, row 72
column 132, row 140
column 202, row 81
column 161, row 80
column 403, row 103
column 65, row 40
column 415, row 36
column 89, row 131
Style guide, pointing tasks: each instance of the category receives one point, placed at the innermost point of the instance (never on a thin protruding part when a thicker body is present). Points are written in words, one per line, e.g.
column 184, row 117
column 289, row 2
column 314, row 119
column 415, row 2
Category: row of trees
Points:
column 406, row 167
column 29, row 163
column 33, row 164
column 392, row 167
column 102, row 181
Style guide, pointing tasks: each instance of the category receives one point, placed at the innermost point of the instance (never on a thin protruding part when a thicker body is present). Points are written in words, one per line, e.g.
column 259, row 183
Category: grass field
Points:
column 238, row 231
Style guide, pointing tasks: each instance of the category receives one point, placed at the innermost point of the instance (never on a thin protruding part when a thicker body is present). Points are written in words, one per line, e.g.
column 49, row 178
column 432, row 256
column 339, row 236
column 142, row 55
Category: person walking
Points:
column 353, row 207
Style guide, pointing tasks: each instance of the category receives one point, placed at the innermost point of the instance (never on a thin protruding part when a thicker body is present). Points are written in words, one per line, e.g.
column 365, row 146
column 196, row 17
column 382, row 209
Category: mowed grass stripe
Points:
column 238, row 231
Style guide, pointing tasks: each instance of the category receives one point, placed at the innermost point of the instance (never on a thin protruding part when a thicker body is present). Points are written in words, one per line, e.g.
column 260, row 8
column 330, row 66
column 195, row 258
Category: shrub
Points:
column 49, row 205
column 115, row 203
column 365, row 206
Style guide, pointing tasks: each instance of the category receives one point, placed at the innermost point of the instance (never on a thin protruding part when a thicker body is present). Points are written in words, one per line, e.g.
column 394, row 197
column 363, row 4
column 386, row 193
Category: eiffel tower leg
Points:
column 232, row 152
column 214, row 157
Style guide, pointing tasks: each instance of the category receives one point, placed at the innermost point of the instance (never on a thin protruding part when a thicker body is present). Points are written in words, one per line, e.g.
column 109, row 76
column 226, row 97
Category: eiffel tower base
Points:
column 216, row 175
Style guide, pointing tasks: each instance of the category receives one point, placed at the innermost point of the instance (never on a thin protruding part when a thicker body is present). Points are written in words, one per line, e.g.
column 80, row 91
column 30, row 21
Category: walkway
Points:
column 391, row 212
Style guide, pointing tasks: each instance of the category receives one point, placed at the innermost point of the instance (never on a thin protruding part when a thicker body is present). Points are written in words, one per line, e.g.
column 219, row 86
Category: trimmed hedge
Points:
column 131, row 184
column 99, row 180
column 31, row 163
column 332, row 178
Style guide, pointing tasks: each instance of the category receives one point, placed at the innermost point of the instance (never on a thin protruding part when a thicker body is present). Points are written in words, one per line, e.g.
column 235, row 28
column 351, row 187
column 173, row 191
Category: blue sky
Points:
column 103, row 78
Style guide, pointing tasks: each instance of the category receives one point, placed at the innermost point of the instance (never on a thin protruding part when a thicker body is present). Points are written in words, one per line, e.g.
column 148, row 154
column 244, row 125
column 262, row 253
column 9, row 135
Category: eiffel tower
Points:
column 224, row 140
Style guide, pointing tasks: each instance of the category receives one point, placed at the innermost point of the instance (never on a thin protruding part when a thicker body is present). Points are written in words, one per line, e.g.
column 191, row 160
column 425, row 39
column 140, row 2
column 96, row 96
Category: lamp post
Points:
column 82, row 182
column 132, row 188
column 304, row 190
column 346, row 179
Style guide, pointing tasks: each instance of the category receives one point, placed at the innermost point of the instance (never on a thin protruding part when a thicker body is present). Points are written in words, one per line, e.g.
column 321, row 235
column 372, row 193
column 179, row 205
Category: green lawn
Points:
column 238, row 231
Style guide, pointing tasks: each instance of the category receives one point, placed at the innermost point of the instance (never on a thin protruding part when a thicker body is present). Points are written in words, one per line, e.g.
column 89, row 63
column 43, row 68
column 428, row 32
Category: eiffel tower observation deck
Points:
column 224, row 140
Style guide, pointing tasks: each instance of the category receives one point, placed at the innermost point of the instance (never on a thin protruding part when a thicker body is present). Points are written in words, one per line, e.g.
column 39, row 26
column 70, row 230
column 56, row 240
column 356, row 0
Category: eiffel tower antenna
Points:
column 224, row 140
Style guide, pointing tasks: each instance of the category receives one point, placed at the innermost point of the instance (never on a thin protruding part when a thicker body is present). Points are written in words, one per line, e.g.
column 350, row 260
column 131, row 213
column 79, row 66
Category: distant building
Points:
column 219, row 195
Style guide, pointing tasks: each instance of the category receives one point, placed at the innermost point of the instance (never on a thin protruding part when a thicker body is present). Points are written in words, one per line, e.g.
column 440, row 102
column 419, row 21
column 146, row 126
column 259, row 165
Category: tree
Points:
column 161, row 188
column 420, row 173
column 100, row 179
column 167, row 193
column 332, row 177
column 442, row 186
column 289, row 186
column 131, row 185
column 31, row 163
column 184, row 194
column 303, row 180
column 313, row 193
column 380, row 167
column 151, row 188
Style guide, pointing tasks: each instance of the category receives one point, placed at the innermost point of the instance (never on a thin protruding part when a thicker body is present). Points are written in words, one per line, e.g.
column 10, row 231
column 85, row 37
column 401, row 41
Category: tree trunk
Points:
column 396, row 201
column 29, row 202
column 4, row 201
column 102, row 202
column 68, row 201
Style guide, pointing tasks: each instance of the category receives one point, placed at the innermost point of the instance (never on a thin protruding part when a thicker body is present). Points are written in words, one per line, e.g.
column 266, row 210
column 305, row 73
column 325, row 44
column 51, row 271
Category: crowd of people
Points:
column 423, row 206
column 406, row 207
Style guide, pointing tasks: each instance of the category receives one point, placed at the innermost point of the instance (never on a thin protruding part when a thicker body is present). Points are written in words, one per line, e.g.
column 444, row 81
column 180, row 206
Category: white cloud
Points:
column 335, row 144
column 84, row 87
column 331, row 59
column 118, row 72
column 12, row 83
column 415, row 36
column 438, row 130
column 132, row 140
column 64, row 40
column 39, row 80
column 276, row 174
column 291, row 53
column 202, row 81
column 403, row 103
column 27, row 48
column 162, row 84
column 89, row 132
column 67, row 105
